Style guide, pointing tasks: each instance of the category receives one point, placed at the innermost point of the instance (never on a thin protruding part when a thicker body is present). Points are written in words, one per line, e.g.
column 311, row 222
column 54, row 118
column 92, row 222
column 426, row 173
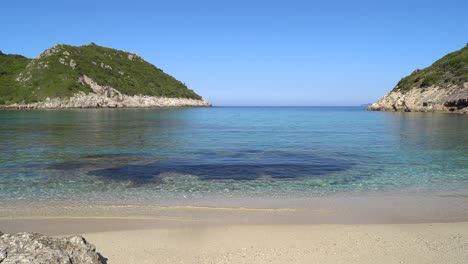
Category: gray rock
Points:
column 72, row 64
column 37, row 248
column 452, row 99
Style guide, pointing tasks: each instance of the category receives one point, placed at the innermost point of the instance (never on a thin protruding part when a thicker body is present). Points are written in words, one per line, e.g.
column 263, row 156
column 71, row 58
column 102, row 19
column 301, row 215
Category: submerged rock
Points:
column 37, row 248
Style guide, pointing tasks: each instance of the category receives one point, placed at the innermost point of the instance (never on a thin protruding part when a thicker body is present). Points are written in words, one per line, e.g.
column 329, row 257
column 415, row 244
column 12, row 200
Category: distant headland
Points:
column 89, row 76
column 442, row 87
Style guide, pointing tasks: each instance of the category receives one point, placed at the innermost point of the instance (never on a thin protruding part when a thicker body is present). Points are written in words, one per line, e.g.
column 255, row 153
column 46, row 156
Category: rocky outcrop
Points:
column 452, row 99
column 92, row 100
column 64, row 71
column 36, row 248
column 105, row 91
column 108, row 97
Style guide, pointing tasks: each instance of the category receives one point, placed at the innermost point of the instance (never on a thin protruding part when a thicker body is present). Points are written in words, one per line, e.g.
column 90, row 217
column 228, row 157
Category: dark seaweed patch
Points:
column 113, row 156
column 208, row 165
column 150, row 173
column 68, row 165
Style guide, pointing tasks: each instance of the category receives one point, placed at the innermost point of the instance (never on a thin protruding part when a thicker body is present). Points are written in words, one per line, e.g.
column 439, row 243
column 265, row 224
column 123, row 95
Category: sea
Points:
column 185, row 156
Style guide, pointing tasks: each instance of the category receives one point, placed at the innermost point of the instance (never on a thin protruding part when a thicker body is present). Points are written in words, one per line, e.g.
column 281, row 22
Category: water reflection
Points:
column 57, row 134
column 430, row 136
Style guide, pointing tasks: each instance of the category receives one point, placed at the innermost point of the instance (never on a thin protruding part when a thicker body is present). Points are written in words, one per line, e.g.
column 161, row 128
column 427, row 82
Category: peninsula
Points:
column 441, row 87
column 89, row 76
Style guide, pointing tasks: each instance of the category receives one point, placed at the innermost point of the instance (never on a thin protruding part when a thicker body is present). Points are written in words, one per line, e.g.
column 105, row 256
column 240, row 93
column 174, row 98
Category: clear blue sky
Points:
column 255, row 52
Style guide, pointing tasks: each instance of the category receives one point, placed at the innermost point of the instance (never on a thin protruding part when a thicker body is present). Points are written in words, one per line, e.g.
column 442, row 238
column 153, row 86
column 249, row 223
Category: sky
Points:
column 254, row 52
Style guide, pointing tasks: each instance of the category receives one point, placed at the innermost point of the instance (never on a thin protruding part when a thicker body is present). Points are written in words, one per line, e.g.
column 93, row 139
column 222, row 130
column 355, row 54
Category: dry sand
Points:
column 342, row 230
column 172, row 241
column 386, row 243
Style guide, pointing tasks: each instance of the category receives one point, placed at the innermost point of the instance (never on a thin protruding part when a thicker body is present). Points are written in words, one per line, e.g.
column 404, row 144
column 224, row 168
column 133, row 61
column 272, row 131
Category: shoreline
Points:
column 365, row 210
column 364, row 229
column 266, row 243
column 100, row 99
column 64, row 226
column 9, row 108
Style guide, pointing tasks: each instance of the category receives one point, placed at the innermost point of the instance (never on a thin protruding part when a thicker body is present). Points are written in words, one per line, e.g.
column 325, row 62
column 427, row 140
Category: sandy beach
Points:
column 415, row 243
column 333, row 230
column 281, row 243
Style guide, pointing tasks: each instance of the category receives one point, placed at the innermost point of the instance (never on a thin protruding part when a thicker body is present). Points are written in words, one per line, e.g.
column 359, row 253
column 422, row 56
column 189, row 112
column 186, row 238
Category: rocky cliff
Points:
column 442, row 87
column 89, row 76
column 452, row 99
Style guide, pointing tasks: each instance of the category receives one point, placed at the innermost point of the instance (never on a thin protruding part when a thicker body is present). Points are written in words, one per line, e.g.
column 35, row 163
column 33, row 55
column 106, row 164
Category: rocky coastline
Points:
column 451, row 99
column 107, row 97
column 92, row 100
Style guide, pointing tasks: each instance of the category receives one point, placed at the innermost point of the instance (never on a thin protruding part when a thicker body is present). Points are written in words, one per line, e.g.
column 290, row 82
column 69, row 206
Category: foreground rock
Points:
column 36, row 248
column 453, row 99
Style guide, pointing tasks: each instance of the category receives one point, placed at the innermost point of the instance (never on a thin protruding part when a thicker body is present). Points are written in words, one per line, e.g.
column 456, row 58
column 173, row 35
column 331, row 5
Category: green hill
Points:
column 452, row 69
column 10, row 67
column 56, row 73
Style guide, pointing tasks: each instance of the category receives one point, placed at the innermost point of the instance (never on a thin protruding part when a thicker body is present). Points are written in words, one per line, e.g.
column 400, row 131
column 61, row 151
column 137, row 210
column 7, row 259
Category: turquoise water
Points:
column 156, row 155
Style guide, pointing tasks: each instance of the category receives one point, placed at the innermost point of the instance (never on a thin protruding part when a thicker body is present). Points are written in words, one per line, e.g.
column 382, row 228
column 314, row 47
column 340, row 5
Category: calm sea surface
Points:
column 157, row 155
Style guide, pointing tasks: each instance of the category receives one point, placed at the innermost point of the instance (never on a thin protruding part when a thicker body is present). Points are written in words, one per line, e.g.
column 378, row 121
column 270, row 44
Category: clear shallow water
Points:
column 159, row 156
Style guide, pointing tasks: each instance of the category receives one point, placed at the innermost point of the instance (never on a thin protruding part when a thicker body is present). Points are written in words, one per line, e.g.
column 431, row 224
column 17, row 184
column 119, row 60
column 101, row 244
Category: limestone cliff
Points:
column 452, row 99
column 442, row 87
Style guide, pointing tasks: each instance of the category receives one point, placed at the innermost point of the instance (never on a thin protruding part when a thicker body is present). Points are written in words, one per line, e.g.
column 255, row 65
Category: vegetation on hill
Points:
column 452, row 69
column 56, row 73
column 10, row 67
